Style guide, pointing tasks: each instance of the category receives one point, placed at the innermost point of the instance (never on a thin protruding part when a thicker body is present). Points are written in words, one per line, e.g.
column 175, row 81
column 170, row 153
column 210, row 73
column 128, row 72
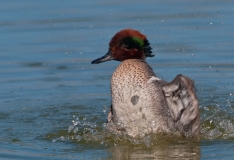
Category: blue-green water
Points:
column 53, row 102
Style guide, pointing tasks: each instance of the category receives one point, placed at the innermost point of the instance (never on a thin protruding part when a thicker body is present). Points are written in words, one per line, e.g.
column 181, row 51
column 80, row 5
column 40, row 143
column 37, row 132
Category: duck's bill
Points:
column 106, row 57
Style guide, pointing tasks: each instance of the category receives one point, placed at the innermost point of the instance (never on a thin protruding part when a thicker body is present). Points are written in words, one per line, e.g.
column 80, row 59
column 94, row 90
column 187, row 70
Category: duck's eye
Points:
column 125, row 46
column 131, row 43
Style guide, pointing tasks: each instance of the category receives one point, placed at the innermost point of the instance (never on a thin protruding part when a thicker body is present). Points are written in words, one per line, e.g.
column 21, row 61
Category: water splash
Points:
column 216, row 123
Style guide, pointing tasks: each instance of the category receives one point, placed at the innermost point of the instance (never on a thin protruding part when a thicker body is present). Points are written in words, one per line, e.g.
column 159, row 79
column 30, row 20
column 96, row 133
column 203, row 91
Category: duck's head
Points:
column 127, row 44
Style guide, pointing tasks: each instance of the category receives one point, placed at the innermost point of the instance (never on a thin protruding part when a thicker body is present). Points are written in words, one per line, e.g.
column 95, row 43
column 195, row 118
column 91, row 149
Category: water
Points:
column 54, row 102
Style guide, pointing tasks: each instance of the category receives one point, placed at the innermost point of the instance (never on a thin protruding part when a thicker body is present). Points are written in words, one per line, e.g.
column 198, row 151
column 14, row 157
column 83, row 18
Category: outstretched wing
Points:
column 183, row 104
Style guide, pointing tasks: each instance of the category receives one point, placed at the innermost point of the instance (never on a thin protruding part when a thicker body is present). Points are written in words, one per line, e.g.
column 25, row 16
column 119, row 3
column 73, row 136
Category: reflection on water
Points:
column 162, row 151
column 53, row 102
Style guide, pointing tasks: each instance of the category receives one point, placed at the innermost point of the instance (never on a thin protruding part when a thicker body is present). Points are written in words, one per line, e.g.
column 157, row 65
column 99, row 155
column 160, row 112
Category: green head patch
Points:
column 132, row 42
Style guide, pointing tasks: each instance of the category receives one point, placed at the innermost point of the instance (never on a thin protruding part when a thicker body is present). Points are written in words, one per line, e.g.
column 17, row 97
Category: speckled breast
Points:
column 134, row 101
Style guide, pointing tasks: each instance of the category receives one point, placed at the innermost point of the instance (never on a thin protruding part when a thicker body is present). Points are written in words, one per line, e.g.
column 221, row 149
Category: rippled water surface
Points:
column 53, row 102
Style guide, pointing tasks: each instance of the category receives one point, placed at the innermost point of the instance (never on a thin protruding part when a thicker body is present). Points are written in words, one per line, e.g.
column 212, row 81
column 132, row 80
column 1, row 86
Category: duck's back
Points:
column 138, row 104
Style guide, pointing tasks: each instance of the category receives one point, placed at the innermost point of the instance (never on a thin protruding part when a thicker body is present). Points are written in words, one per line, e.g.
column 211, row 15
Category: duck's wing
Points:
column 183, row 104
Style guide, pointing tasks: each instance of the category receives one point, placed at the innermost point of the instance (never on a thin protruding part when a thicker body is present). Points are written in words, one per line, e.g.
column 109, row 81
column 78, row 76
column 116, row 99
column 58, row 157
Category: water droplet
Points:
column 70, row 128
column 104, row 109
column 78, row 138
column 75, row 130
column 62, row 138
column 153, row 124
column 75, row 122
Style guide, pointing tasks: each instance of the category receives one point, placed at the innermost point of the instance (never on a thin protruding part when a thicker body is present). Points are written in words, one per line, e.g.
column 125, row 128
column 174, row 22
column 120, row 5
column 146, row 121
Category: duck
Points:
column 142, row 103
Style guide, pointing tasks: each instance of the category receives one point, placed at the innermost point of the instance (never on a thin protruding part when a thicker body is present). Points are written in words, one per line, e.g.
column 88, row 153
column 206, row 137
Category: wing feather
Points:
column 183, row 104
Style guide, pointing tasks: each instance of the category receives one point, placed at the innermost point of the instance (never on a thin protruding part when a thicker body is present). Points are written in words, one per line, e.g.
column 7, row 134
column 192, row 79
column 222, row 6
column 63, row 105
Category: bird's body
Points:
column 137, row 100
column 143, row 103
